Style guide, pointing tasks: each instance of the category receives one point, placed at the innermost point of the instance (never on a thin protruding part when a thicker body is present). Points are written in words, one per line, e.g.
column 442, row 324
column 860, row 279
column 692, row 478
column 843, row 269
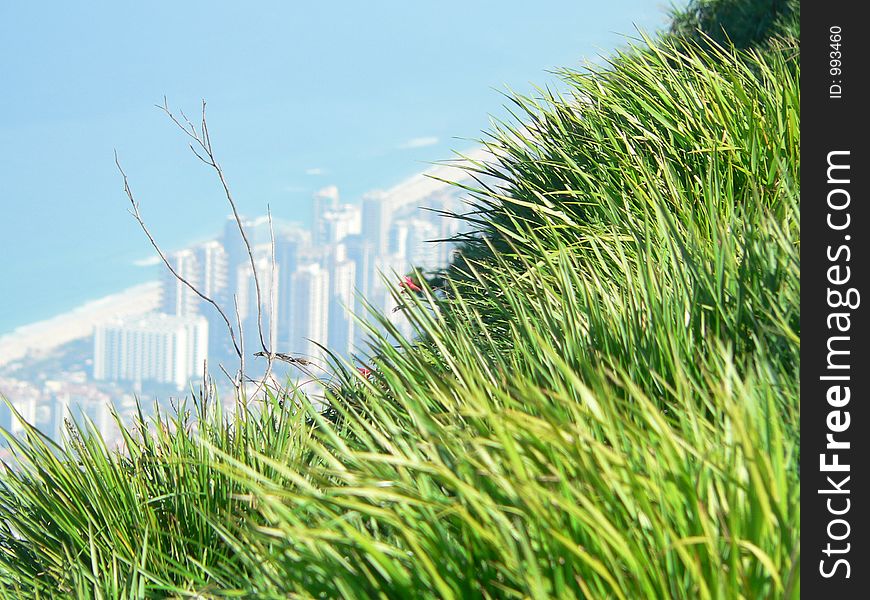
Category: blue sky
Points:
column 300, row 95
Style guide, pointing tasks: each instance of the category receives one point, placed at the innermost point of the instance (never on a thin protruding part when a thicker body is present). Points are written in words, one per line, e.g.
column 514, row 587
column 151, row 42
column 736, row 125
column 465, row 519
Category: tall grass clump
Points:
column 601, row 399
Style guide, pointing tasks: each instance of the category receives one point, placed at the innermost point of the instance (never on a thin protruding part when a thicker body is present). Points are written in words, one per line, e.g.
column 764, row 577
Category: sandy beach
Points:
column 43, row 336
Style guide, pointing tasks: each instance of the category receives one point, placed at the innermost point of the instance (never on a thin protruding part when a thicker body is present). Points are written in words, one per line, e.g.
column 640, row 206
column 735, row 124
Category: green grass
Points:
column 601, row 402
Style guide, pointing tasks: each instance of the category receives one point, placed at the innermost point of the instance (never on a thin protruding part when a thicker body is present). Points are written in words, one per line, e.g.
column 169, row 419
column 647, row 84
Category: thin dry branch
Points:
column 242, row 344
column 270, row 356
column 202, row 140
column 230, row 377
column 201, row 146
column 136, row 215
column 298, row 361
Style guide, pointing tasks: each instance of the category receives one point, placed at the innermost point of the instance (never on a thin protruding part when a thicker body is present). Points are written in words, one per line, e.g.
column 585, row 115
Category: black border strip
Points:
column 834, row 371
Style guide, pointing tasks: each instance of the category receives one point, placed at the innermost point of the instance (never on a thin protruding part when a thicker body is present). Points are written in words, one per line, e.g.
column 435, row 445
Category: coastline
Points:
column 44, row 336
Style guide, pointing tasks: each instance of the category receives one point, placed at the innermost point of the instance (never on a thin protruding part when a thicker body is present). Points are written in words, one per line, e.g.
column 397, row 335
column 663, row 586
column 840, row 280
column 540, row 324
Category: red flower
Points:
column 408, row 284
column 364, row 372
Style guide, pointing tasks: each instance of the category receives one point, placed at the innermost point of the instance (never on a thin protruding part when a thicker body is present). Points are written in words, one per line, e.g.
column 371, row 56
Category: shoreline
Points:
column 44, row 336
column 49, row 334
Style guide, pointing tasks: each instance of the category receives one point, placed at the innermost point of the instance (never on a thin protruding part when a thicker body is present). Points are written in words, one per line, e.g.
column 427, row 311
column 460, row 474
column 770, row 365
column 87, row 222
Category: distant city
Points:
column 320, row 276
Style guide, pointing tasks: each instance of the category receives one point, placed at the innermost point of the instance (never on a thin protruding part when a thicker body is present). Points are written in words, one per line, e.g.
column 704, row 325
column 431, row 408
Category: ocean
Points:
column 299, row 98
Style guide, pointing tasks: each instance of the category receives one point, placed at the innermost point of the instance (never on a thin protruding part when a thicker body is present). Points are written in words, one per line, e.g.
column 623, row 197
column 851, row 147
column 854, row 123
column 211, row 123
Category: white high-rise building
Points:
column 258, row 232
column 60, row 405
column 340, row 222
column 177, row 298
column 309, row 320
column 342, row 277
column 246, row 295
column 212, row 263
column 292, row 248
column 361, row 252
column 376, row 216
column 214, row 282
column 156, row 347
column 398, row 238
column 325, row 200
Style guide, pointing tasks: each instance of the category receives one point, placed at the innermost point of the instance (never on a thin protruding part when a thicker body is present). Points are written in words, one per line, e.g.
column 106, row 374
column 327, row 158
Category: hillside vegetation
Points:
column 602, row 399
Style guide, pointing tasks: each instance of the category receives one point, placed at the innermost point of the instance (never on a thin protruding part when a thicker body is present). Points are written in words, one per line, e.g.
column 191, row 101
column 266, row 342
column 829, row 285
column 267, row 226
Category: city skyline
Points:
column 338, row 106
column 322, row 274
column 299, row 97
column 309, row 282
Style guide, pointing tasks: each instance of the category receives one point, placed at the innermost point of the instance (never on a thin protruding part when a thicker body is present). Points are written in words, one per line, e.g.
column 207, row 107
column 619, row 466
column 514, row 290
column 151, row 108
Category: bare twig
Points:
column 242, row 344
column 202, row 140
column 201, row 146
column 230, row 377
column 136, row 215
column 270, row 356
column 299, row 361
